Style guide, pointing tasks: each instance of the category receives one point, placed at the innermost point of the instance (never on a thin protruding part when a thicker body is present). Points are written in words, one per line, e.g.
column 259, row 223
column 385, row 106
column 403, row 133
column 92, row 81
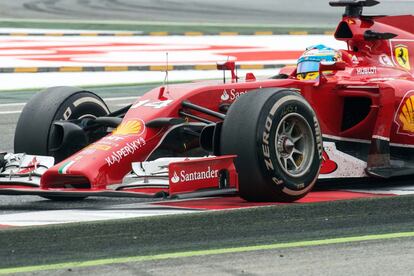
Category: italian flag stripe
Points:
column 64, row 168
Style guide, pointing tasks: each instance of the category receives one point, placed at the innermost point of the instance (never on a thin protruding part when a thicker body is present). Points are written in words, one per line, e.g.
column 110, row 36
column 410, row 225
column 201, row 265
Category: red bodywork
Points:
column 377, row 76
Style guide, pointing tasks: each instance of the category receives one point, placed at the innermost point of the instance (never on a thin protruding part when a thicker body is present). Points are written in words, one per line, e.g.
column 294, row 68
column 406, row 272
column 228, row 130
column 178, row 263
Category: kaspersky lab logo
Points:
column 184, row 176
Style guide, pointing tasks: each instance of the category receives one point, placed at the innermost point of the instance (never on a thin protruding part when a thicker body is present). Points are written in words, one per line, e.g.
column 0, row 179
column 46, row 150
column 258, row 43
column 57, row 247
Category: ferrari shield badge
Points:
column 402, row 56
column 404, row 117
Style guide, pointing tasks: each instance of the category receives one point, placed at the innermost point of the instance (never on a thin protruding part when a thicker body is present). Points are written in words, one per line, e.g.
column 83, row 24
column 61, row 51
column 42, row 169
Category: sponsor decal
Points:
column 225, row 96
column 318, row 136
column 64, row 168
column 111, row 141
column 355, row 59
column 136, row 127
column 67, row 113
column 265, row 141
column 291, row 108
column 105, row 144
column 265, row 145
column 32, row 166
column 184, row 176
column 128, row 149
column 152, row 103
column 328, row 166
column 88, row 151
column 100, row 147
column 383, row 79
column 404, row 117
column 385, row 60
column 402, row 56
column 175, row 179
column 350, row 21
column 366, row 71
column 113, row 138
column 231, row 95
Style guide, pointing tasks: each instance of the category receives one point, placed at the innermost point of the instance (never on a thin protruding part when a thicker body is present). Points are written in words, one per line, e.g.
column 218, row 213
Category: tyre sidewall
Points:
column 276, row 108
column 80, row 104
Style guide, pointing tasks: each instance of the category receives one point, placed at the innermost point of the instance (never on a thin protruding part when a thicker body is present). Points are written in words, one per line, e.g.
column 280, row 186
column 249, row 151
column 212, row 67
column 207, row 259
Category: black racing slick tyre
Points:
column 277, row 139
column 34, row 131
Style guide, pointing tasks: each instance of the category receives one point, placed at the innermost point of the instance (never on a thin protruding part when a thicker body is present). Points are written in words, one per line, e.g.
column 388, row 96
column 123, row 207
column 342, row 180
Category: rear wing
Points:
column 377, row 35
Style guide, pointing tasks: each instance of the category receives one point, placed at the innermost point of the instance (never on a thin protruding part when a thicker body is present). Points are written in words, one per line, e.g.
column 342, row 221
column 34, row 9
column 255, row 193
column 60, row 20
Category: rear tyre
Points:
column 276, row 136
column 35, row 133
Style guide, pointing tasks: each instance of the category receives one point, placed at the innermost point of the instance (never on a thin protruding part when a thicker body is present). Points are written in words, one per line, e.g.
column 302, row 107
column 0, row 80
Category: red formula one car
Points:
column 338, row 114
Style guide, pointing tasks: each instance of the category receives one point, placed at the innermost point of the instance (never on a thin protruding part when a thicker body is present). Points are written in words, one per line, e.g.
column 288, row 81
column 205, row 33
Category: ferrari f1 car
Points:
column 350, row 116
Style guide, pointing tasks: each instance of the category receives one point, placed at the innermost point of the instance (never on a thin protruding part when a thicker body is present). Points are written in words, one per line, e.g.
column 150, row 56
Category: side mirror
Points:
column 332, row 66
column 230, row 66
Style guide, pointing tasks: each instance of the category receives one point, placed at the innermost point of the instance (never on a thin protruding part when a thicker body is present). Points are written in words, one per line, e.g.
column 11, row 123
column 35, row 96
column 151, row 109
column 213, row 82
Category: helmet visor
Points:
column 308, row 66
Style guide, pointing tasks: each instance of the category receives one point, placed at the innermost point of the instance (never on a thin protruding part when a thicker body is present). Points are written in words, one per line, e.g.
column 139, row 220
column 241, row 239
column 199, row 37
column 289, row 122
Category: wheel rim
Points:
column 294, row 145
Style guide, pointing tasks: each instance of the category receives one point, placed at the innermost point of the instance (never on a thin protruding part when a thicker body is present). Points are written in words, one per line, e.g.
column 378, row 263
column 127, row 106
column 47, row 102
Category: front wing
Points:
column 162, row 178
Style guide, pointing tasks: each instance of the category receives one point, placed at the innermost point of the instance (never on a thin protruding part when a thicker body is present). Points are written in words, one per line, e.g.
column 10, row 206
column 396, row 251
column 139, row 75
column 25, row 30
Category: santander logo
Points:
column 175, row 178
column 184, row 176
column 231, row 95
column 225, row 96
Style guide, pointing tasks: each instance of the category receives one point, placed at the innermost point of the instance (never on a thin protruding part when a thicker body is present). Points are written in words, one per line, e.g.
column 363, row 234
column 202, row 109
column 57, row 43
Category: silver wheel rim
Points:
column 88, row 116
column 294, row 145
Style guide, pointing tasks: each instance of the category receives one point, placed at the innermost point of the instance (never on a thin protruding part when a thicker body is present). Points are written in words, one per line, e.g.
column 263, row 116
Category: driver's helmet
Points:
column 308, row 63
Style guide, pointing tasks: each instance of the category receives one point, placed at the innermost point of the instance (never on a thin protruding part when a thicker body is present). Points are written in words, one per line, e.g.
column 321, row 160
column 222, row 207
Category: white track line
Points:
column 115, row 99
column 112, row 99
column 87, row 215
column 12, row 104
column 120, row 99
column 10, row 112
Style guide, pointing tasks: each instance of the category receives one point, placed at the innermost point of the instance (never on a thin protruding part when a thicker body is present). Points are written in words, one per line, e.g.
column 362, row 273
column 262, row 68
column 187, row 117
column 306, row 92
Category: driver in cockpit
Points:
column 308, row 63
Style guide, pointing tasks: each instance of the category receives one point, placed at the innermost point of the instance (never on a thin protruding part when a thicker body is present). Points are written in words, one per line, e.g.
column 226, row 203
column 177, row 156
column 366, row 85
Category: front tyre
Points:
column 277, row 138
column 35, row 133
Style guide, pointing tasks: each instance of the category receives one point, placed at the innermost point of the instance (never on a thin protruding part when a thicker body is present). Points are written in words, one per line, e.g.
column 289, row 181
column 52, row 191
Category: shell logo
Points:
column 405, row 115
column 350, row 21
column 130, row 127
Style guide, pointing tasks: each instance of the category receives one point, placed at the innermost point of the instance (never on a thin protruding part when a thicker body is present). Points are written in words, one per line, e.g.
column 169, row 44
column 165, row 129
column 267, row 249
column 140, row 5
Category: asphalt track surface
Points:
column 215, row 243
column 280, row 12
